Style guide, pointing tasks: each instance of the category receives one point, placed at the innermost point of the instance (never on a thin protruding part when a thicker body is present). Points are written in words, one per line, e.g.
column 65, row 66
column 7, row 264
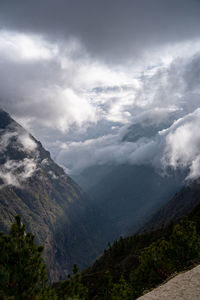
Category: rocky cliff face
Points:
column 50, row 203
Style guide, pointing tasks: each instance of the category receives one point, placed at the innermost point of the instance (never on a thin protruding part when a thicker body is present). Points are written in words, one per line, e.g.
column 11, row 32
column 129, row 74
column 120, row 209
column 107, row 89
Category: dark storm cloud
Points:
column 112, row 29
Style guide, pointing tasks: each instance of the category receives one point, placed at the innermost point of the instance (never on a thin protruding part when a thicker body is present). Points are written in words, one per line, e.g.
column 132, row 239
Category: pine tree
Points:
column 22, row 271
column 121, row 290
column 72, row 288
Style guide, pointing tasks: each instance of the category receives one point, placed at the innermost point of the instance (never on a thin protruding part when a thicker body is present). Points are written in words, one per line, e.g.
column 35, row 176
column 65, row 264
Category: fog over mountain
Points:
column 51, row 204
column 85, row 76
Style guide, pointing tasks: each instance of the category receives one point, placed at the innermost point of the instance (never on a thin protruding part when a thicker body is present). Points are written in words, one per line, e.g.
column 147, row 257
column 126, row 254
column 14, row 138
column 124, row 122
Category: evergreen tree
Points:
column 73, row 288
column 22, row 271
column 106, row 289
column 163, row 258
column 121, row 290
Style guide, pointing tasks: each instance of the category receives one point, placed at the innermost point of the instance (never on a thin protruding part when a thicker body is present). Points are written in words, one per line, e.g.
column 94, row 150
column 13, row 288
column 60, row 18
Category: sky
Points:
column 77, row 74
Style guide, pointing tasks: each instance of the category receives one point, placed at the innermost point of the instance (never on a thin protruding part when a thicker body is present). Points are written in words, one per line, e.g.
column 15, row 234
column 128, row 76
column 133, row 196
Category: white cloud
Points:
column 178, row 146
column 20, row 47
column 64, row 95
column 74, row 89
column 108, row 149
column 194, row 169
column 27, row 142
column 63, row 108
column 171, row 93
column 19, row 138
column 182, row 142
column 16, row 172
column 5, row 139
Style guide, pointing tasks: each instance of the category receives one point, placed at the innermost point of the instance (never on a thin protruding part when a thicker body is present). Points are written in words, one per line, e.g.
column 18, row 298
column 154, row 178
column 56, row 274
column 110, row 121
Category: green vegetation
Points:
column 166, row 257
column 166, row 252
column 153, row 258
column 22, row 271
column 23, row 274
column 72, row 288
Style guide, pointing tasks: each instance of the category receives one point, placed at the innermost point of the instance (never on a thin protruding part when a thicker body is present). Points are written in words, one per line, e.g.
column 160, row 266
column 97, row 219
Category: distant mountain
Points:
column 51, row 204
column 180, row 205
column 91, row 176
column 148, row 129
column 124, row 256
column 130, row 194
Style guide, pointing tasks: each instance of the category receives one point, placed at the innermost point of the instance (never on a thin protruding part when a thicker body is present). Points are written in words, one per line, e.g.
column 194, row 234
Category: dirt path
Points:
column 185, row 286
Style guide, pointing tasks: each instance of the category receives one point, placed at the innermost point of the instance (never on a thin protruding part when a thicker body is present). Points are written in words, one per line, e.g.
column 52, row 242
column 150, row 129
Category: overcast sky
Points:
column 78, row 73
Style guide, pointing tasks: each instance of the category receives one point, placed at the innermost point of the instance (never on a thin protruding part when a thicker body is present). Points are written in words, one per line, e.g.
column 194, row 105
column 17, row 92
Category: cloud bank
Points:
column 109, row 30
column 167, row 103
column 105, row 82
column 175, row 147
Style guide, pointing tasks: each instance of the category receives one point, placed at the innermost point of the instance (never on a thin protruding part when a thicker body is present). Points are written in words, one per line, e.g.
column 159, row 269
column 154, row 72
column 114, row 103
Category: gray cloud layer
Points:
column 78, row 74
column 110, row 30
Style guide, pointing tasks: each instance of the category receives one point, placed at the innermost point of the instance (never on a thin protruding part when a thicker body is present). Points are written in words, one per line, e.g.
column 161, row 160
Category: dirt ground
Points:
column 185, row 286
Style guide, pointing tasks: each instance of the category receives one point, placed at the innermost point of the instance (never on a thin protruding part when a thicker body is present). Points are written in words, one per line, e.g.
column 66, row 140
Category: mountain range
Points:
column 130, row 193
column 125, row 255
column 75, row 226
column 51, row 204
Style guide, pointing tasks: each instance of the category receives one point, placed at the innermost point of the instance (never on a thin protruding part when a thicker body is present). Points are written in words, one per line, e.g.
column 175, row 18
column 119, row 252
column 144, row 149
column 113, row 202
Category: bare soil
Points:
column 185, row 286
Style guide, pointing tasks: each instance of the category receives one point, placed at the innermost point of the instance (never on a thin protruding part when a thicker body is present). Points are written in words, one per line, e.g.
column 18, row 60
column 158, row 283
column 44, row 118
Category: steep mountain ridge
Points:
column 180, row 205
column 124, row 256
column 50, row 203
